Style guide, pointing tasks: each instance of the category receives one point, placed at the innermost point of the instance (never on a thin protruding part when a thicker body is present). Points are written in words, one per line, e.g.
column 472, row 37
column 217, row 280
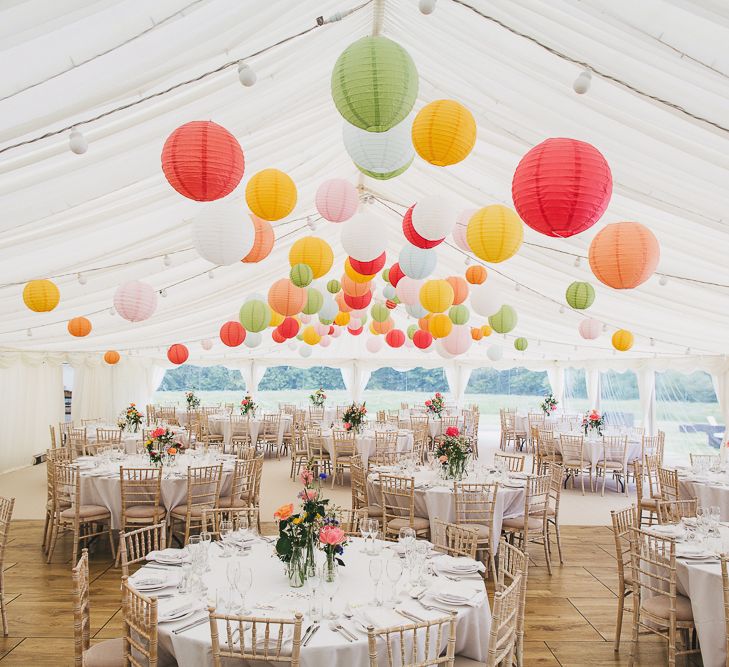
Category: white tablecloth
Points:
column 129, row 440
column 192, row 648
column 435, row 425
column 221, row 425
column 365, row 443
column 438, row 502
column 106, row 489
column 710, row 489
column 593, row 449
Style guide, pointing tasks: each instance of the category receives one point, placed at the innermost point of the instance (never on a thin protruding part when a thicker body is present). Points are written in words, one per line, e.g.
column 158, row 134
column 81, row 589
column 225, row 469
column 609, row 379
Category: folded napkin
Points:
column 379, row 617
column 458, row 593
column 668, row 530
column 170, row 610
column 459, row 565
column 170, row 555
column 145, row 578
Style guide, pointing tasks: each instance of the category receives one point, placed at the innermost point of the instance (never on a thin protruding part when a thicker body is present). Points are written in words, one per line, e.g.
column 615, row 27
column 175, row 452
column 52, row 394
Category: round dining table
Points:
column 711, row 489
column 365, row 442
column 271, row 596
column 221, row 425
column 593, row 451
column 130, row 441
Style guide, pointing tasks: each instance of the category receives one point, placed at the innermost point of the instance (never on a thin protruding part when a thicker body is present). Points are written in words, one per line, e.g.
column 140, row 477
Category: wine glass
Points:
column 406, row 536
column 226, row 530
column 242, row 524
column 206, row 538
column 232, row 574
column 376, row 568
column 243, row 586
column 394, row 572
column 331, row 586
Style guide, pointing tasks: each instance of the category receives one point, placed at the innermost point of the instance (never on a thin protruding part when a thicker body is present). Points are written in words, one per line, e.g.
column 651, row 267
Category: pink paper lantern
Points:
column 374, row 344
column 135, row 301
column 206, row 344
column 459, row 231
column 355, row 323
column 408, row 290
column 325, row 341
column 321, row 329
column 336, row 333
column 336, row 200
column 590, row 329
column 458, row 340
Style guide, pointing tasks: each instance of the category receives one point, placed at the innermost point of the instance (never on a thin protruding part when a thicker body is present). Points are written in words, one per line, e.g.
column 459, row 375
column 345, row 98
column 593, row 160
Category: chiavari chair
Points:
column 420, row 445
column 269, row 434
column 724, row 559
column 510, row 435
column 240, row 430
column 136, row 544
column 6, row 514
column 360, row 496
column 205, row 432
column 316, row 415
column 534, row 420
column 168, row 415
column 657, row 606
column 455, row 540
column 503, row 636
column 705, row 461
column 385, row 448
column 63, row 430
column 647, row 506
column 513, row 462
column 53, row 456
column 444, row 423
column 672, row 511
column 661, row 445
column 623, row 521
column 241, row 517
column 109, row 653
column 343, row 449
column 108, row 436
column 556, row 474
column 140, row 627
column 614, row 461
column 668, row 480
column 141, row 494
column 547, row 449
column 243, row 484
column 474, row 506
column 203, row 492
column 299, row 448
column 318, row 453
column 245, row 452
column 573, row 459
column 90, row 422
column 52, row 431
column 513, row 563
column 257, row 639
column 77, row 441
column 398, row 507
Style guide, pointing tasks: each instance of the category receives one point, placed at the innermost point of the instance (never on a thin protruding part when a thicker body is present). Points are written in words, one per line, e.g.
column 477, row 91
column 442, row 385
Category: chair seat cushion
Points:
column 229, row 501
column 649, row 502
column 109, row 653
column 517, row 523
column 87, row 512
column 145, row 511
column 575, row 463
column 419, row 523
column 180, row 512
column 659, row 606
column 610, row 464
column 373, row 512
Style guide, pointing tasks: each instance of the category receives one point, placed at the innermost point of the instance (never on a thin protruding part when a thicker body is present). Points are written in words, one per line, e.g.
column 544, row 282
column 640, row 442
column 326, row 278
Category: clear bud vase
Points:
column 296, row 568
column 331, row 568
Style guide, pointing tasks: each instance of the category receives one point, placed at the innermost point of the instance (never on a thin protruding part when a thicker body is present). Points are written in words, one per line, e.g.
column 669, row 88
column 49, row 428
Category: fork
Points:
column 431, row 607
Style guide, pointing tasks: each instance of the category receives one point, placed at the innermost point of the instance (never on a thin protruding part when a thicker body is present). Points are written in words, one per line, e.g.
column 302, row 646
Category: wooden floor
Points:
column 570, row 616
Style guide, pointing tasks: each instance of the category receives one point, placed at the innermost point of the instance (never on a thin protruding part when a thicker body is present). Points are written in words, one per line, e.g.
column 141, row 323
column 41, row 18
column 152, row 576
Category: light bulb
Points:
column 561, row 310
column 467, row 261
column 688, row 350
column 77, row 142
column 211, row 274
column 578, row 262
column 167, row 260
column 112, row 311
column 663, row 281
column 29, row 333
column 163, row 293
column 582, row 82
column 81, row 278
column 426, row 6
column 311, row 224
column 653, row 342
column 517, row 287
column 604, row 327
column 246, row 75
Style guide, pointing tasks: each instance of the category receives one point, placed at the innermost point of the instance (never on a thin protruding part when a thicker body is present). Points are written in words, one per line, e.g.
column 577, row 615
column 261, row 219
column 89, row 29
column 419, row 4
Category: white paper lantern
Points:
column 459, row 340
column 417, row 263
column 416, row 310
column 485, row 299
column 459, row 231
column 330, row 308
column 354, row 323
column 135, row 301
column 292, row 344
column 337, row 200
column 381, row 152
column 364, row 237
column 374, row 344
column 388, row 291
column 305, row 351
column 77, row 143
column 253, row 339
column 590, row 329
column 434, row 217
column 206, row 344
column 325, row 341
column 408, row 290
column 495, row 353
column 221, row 233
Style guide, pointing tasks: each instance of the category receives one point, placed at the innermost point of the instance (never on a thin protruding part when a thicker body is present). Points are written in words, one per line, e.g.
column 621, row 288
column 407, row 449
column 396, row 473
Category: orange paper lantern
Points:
column 383, row 327
column 79, row 327
column 178, row 353
column 476, row 274
column 424, row 321
column 624, row 255
column 263, row 241
column 354, row 288
column 460, row 289
column 285, row 298
column 476, row 333
column 111, row 357
column 232, row 334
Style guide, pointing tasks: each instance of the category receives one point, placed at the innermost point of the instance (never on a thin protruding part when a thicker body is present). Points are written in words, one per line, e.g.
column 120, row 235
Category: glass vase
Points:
column 331, row 568
column 310, row 557
column 296, row 568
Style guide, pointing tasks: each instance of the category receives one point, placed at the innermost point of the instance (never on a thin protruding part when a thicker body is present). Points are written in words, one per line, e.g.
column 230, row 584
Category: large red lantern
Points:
column 412, row 236
column 178, row 353
column 562, row 187
column 289, row 327
column 277, row 336
column 202, row 161
column 368, row 268
column 395, row 338
column 422, row 339
column 232, row 334
column 395, row 274
column 357, row 302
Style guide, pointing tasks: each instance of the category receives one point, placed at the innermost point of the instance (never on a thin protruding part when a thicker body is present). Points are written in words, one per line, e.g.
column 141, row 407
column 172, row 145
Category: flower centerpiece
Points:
column 130, row 419
column 593, row 422
column 247, row 406
column 298, row 534
column 193, row 402
column 161, row 443
column 452, row 453
column 549, row 404
column 435, row 405
column 317, row 398
column 354, row 417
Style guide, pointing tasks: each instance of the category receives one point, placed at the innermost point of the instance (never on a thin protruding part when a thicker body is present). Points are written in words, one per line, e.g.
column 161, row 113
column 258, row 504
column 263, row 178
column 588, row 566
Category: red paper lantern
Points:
column 395, row 274
column 422, row 339
column 178, row 353
column 232, row 334
column 277, row 336
column 331, row 330
column 412, row 236
column 356, row 332
column 357, row 302
column 395, row 338
column 289, row 327
column 562, row 187
column 368, row 268
column 202, row 161
column 391, row 304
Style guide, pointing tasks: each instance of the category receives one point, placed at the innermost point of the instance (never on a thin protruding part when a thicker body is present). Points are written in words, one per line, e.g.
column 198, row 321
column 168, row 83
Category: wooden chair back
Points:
column 668, row 480
column 623, row 522
column 672, row 511
column 398, row 499
column 81, row 610
column 512, row 462
column 140, row 627
column 475, row 503
column 140, row 487
column 455, row 540
column 203, row 486
column 359, row 483
column 108, row 436
column 572, row 448
column 504, row 624
column 136, row 544
column 242, row 517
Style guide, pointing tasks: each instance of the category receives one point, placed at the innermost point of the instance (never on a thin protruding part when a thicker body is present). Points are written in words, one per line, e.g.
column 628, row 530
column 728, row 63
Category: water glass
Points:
column 226, row 530
column 394, row 572
column 243, row 586
column 376, row 571
column 316, row 607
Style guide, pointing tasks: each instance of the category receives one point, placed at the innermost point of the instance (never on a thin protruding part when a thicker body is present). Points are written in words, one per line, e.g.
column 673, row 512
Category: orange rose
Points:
column 172, row 451
column 284, row 512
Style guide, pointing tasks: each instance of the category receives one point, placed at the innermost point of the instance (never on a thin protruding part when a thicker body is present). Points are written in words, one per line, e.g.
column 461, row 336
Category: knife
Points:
column 306, row 633
column 313, row 632
column 413, row 618
column 191, row 625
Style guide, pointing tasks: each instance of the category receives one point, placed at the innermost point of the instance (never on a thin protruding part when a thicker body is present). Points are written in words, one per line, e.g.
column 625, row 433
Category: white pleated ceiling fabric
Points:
column 63, row 63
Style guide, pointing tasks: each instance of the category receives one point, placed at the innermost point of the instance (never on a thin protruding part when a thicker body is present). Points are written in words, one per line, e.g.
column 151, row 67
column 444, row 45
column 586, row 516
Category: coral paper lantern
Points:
column 412, row 236
column 336, row 200
column 580, row 295
column 394, row 274
column 590, row 329
column 460, row 289
column 79, row 327
column 395, row 338
column 422, row 339
column 495, row 233
column 277, row 336
column 111, row 357
column 271, row 194
column 343, row 306
column 285, row 298
column 562, row 187
column 368, row 268
column 41, row 296
column 440, row 325
column 232, row 334
column 222, row 234
column 353, row 288
column 178, row 354
column 135, row 301
column 315, row 252
column 357, row 302
column 436, row 296
column 622, row 340
column 504, row 320
column 624, row 255
column 202, row 161
column 254, row 315
column 374, row 83
column 382, row 327
column 444, row 132
column 476, row 275
column 262, row 242
column 364, row 237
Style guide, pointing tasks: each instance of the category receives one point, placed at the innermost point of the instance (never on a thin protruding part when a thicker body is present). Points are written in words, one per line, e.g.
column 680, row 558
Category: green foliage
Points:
column 202, row 378
column 512, row 381
column 417, row 379
column 288, row 377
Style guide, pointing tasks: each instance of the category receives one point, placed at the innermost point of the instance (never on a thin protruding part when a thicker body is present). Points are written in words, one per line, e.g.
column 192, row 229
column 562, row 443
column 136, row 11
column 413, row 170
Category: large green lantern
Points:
column 255, row 315
column 374, row 83
column 503, row 320
column 379, row 312
column 301, row 275
column 521, row 344
column 580, row 295
column 459, row 314
column 314, row 301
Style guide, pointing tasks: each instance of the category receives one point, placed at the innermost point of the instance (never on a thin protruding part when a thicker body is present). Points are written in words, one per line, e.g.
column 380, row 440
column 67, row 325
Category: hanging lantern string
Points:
column 319, row 22
column 585, row 65
column 490, row 267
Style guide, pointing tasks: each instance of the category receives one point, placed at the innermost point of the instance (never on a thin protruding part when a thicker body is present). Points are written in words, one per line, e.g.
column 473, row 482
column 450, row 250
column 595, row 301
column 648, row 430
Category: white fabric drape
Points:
column 32, row 400
column 355, row 377
column 592, row 380
column 252, row 373
column 647, row 395
column 720, row 380
column 555, row 374
column 458, row 377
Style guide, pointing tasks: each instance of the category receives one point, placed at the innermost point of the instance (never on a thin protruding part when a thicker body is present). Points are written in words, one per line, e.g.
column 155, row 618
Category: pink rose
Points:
column 452, row 431
column 306, row 477
column 437, row 394
column 553, row 408
column 331, row 535
column 309, row 494
column 428, row 403
column 158, row 432
column 347, row 426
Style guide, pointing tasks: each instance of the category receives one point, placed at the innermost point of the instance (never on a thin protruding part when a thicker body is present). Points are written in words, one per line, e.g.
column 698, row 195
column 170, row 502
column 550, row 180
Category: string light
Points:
column 426, row 6
column 81, row 278
column 29, row 333
column 467, row 261
column 211, row 274
column 167, row 260
column 604, row 328
column 582, row 83
column 663, row 281
column 517, row 287
column 578, row 262
column 163, row 293
column 77, row 142
column 561, row 310
column 246, row 75
column 112, row 311
column 652, row 342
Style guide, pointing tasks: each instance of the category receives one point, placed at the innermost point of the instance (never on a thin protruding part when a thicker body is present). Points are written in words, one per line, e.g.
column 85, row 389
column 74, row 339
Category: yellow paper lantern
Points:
column 41, row 296
column 372, row 329
column 436, row 296
column 444, row 132
column 276, row 318
column 342, row 319
column 311, row 337
column 486, row 330
column 440, row 325
column 271, row 194
column 623, row 340
column 495, row 233
column 315, row 252
column 355, row 275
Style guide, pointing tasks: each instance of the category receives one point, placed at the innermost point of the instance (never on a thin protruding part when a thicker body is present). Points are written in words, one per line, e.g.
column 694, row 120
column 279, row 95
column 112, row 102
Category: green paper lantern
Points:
column 255, row 315
column 300, row 335
column 411, row 330
column 521, row 344
column 387, row 175
column 301, row 275
column 580, row 295
column 386, row 275
column 324, row 320
column 379, row 312
column 459, row 314
column 374, row 83
column 333, row 286
column 314, row 301
column 503, row 320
